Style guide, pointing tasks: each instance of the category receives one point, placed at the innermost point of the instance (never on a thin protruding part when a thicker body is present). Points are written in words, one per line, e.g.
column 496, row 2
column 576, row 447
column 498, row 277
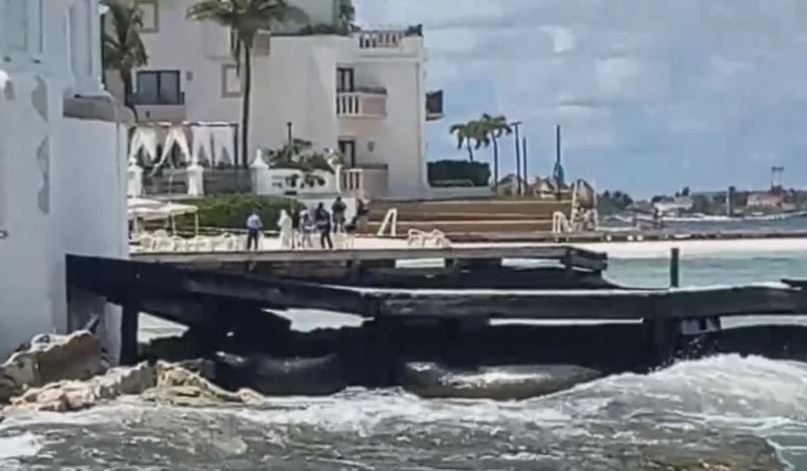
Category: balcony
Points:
column 366, row 103
column 434, row 106
column 160, row 108
column 367, row 182
column 384, row 42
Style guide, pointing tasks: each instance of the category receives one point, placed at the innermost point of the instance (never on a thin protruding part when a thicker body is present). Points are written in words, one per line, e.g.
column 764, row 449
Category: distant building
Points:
column 766, row 200
column 674, row 206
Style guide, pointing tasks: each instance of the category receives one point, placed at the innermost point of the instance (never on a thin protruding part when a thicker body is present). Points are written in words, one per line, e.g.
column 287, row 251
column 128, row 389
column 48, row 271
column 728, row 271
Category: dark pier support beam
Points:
column 675, row 273
column 384, row 352
column 129, row 327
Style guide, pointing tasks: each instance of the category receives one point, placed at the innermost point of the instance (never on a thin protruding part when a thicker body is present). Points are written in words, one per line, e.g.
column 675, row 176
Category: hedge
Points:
column 455, row 171
column 231, row 211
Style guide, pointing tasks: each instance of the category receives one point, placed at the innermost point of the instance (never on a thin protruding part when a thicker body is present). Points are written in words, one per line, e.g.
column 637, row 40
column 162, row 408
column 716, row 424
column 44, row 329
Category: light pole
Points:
column 515, row 125
column 526, row 175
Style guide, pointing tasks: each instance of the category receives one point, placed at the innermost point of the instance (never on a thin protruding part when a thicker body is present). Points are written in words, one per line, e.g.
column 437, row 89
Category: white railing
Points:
column 381, row 39
column 364, row 183
column 361, row 104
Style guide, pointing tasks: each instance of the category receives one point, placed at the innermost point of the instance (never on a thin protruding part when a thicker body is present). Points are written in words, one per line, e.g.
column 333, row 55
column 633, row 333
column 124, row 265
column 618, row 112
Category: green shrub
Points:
column 478, row 173
column 231, row 211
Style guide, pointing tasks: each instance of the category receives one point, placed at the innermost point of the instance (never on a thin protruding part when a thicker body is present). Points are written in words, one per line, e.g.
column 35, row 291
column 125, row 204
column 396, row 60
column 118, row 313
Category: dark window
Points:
column 159, row 88
column 344, row 80
column 347, row 147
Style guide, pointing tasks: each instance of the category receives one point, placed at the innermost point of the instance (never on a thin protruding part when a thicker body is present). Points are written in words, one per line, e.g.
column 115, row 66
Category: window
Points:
column 344, row 80
column 159, row 88
column 15, row 25
column 347, row 147
column 230, row 81
column 151, row 15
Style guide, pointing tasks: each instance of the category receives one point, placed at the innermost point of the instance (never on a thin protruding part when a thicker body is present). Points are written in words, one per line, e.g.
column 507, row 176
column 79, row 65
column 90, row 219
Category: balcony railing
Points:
column 387, row 39
column 367, row 182
column 139, row 99
column 361, row 104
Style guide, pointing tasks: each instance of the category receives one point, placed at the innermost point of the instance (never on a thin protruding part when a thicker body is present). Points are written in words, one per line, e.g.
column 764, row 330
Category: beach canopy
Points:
column 152, row 210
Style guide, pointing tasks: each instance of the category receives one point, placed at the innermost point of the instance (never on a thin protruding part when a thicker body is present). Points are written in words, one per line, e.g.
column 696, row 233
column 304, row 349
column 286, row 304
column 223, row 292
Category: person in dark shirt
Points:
column 323, row 221
column 338, row 210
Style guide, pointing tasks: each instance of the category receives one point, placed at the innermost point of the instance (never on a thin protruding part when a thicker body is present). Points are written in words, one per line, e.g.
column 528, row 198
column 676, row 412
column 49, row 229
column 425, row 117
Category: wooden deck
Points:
column 174, row 287
column 146, row 283
column 571, row 257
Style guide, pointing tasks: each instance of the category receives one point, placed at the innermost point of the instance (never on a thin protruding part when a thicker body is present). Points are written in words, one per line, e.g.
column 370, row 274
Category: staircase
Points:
column 471, row 219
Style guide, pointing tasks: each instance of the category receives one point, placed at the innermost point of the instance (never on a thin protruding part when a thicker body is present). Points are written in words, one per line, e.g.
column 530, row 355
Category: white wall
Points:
column 61, row 184
column 29, row 299
column 399, row 139
column 297, row 84
column 198, row 50
column 90, row 211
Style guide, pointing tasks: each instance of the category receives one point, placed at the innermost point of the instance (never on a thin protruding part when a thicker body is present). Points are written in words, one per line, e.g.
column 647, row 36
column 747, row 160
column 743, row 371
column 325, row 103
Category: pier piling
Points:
column 675, row 274
column 129, row 327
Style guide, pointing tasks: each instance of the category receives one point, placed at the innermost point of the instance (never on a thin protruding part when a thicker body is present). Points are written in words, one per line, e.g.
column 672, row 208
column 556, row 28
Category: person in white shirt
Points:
column 254, row 226
column 286, row 226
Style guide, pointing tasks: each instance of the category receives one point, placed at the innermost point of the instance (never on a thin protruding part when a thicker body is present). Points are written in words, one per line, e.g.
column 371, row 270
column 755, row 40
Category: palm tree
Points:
column 244, row 18
column 346, row 12
column 494, row 127
column 300, row 155
column 123, row 49
column 470, row 135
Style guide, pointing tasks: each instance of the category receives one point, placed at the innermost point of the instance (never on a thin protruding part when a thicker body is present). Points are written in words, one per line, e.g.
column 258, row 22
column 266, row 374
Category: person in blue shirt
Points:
column 254, row 226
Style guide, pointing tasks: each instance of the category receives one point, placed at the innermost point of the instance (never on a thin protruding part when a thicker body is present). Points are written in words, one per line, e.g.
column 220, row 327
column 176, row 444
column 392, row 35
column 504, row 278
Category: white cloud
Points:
column 691, row 91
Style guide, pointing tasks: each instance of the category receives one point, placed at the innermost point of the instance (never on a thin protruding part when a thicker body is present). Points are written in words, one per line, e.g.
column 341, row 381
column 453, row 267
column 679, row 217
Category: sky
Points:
column 652, row 94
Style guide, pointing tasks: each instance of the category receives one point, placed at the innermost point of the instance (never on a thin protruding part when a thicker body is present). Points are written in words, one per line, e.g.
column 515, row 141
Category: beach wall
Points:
column 29, row 295
column 91, row 212
column 62, row 191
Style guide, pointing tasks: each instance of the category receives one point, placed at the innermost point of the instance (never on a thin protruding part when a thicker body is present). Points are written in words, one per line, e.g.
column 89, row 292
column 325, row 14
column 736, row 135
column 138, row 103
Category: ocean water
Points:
column 718, row 408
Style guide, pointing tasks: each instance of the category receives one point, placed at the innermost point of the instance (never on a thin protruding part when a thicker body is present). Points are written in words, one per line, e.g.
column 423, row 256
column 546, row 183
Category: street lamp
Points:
column 515, row 125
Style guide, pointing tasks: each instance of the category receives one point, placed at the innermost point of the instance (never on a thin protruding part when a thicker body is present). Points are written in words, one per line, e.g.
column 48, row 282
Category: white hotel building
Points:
column 361, row 93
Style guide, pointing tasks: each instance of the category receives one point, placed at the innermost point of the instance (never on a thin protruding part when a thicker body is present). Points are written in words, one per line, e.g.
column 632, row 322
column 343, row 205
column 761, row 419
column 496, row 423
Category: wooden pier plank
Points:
column 580, row 258
column 592, row 304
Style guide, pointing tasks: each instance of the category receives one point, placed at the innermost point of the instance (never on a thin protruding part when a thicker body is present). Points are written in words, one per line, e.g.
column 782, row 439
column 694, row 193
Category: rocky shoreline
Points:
column 66, row 373
column 69, row 374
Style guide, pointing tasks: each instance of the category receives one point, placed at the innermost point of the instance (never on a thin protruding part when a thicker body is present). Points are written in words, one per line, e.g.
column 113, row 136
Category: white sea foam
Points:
column 18, row 446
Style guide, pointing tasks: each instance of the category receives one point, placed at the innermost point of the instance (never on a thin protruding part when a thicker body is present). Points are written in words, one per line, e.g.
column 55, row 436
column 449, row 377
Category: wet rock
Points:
column 70, row 395
column 177, row 386
column 278, row 377
column 51, row 358
column 499, row 383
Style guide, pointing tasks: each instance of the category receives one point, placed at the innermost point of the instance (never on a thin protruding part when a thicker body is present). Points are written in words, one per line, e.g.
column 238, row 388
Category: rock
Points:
column 276, row 377
column 51, row 358
column 177, row 386
column 499, row 383
column 68, row 395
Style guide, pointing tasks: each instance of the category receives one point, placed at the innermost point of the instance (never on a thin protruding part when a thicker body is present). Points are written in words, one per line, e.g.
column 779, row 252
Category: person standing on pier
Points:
column 323, row 220
column 254, row 226
column 338, row 210
column 306, row 228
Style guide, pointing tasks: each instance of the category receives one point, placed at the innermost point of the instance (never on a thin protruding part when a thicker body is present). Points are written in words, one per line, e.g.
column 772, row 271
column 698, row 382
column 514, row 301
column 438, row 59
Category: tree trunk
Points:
column 246, row 105
column 126, row 78
column 470, row 151
column 495, row 162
